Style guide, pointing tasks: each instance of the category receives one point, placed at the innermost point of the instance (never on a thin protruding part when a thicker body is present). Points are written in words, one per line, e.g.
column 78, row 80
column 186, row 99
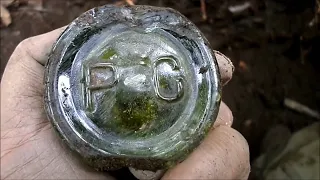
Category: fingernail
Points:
column 146, row 175
column 225, row 66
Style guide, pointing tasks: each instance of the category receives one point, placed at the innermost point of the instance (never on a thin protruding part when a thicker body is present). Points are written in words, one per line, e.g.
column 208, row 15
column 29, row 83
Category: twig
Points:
column 291, row 104
column 203, row 10
column 239, row 8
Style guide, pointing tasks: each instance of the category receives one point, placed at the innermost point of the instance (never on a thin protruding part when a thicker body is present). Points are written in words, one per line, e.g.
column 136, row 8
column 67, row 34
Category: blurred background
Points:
column 273, row 44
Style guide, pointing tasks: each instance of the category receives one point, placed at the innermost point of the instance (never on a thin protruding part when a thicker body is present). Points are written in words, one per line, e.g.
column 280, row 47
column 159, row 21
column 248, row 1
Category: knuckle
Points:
column 21, row 55
column 22, row 47
column 27, row 44
column 23, row 44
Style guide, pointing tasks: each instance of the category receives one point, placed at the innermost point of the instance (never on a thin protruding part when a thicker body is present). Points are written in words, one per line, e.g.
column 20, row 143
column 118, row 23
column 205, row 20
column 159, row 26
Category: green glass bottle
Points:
column 132, row 87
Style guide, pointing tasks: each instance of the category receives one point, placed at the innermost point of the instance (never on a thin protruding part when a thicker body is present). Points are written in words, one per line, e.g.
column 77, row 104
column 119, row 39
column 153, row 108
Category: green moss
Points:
column 108, row 54
column 163, row 83
column 170, row 164
column 145, row 61
column 134, row 114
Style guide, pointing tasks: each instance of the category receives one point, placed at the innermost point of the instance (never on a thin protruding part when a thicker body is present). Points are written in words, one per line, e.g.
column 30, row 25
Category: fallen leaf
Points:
column 5, row 16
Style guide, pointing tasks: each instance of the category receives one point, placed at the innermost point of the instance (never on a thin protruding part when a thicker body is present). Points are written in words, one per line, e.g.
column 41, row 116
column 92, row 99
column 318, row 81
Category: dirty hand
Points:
column 30, row 149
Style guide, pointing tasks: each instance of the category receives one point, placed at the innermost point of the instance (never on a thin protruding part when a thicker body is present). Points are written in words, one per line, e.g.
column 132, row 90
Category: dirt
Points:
column 271, row 44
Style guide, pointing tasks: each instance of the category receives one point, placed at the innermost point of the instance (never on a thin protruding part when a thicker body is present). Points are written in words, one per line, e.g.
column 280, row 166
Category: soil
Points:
column 272, row 45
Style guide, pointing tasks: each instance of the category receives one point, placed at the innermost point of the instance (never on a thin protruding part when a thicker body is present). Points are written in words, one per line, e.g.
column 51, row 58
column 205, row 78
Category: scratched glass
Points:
column 132, row 86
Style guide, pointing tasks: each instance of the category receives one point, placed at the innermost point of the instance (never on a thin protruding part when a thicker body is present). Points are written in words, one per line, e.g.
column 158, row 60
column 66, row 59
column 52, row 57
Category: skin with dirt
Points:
column 269, row 65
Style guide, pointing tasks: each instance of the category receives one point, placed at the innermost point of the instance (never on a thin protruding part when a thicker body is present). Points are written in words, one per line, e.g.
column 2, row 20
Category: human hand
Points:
column 30, row 149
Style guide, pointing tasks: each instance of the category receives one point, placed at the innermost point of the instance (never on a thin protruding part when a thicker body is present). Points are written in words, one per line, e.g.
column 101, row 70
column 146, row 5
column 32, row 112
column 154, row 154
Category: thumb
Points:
column 224, row 154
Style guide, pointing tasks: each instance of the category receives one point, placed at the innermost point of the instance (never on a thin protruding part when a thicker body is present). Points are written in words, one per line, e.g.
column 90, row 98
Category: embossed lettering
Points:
column 100, row 76
column 162, row 80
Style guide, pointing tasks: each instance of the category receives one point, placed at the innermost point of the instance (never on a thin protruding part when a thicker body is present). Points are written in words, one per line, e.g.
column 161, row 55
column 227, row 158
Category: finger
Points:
column 224, row 117
column 39, row 47
column 225, row 66
column 224, row 154
column 146, row 175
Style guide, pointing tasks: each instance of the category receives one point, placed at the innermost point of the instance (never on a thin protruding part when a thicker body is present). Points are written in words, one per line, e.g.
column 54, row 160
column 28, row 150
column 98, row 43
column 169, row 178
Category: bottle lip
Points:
column 85, row 137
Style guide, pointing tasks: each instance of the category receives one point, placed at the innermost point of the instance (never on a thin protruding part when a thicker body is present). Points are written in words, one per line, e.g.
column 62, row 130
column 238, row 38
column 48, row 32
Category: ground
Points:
column 272, row 45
